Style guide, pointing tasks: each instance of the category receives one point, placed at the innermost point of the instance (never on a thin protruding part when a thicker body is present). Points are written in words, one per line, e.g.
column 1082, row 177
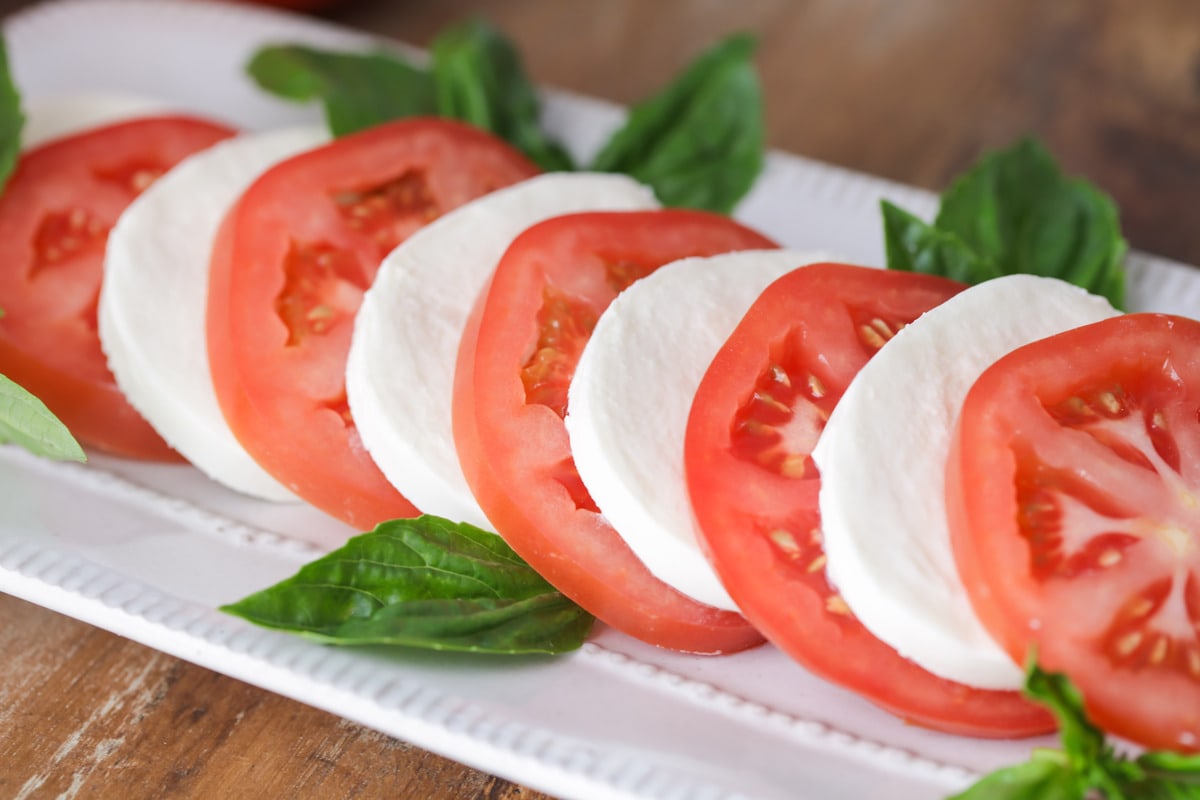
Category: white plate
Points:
column 149, row 551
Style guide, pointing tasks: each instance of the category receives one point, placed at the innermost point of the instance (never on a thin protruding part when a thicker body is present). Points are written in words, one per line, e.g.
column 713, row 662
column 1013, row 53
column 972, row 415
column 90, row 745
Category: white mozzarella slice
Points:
column 400, row 370
column 882, row 458
column 63, row 115
column 629, row 399
column 153, row 300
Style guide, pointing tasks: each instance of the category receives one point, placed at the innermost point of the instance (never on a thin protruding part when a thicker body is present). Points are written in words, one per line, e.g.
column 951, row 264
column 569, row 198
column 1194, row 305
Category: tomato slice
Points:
column 55, row 215
column 517, row 357
column 755, row 419
column 290, row 265
column 1073, row 492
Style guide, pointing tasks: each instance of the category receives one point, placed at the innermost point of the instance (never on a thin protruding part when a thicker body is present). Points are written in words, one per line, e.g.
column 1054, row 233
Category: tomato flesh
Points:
column 515, row 364
column 55, row 215
column 756, row 417
column 1073, row 491
column 290, row 266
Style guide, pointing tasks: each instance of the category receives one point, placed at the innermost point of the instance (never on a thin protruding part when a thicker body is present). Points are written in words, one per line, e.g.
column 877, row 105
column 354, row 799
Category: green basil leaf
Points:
column 1046, row 776
column 916, row 246
column 1087, row 766
column 423, row 582
column 358, row 90
column 25, row 420
column 478, row 78
column 1016, row 212
column 1016, row 209
column 1177, row 765
column 1082, row 741
column 699, row 142
column 12, row 120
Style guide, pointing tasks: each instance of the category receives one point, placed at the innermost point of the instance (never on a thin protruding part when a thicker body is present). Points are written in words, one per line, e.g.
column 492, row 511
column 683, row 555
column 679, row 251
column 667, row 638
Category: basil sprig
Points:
column 25, row 421
column 1014, row 212
column 1087, row 766
column 427, row 583
column 698, row 143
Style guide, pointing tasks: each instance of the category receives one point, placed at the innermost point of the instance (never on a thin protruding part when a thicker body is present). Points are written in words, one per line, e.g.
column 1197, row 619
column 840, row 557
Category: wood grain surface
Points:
column 912, row 90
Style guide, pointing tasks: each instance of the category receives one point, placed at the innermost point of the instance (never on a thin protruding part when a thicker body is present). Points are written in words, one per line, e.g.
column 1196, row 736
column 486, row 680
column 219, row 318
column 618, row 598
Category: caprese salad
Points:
column 553, row 399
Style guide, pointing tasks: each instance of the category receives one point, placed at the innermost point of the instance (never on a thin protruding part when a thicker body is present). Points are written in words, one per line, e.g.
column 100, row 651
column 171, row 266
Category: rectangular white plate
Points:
column 149, row 551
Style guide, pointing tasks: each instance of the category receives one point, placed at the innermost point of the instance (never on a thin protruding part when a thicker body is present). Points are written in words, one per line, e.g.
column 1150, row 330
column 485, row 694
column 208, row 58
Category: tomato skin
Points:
column 55, row 213
column 289, row 267
column 756, row 508
column 516, row 454
column 1071, row 496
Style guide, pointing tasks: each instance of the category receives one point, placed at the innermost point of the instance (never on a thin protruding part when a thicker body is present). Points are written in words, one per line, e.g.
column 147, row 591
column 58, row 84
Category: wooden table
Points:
column 912, row 90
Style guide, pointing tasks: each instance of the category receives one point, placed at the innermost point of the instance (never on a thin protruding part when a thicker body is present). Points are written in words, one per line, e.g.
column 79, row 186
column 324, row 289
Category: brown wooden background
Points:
column 912, row 90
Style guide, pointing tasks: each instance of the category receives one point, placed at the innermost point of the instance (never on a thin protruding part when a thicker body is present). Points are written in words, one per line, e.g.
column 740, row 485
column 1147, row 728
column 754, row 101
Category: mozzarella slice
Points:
column 63, row 115
column 629, row 399
column 153, row 299
column 882, row 459
column 400, row 370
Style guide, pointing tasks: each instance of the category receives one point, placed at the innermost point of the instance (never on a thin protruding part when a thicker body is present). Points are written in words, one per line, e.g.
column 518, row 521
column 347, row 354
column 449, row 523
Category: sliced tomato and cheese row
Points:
column 154, row 295
column 290, row 264
column 56, row 212
column 882, row 459
column 756, row 416
column 626, row 414
column 400, row 369
column 1073, row 490
column 517, row 357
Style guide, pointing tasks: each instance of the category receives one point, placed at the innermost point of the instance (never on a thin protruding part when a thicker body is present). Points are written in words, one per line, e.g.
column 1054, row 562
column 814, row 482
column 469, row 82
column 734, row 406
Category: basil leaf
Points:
column 25, row 421
column 12, row 120
column 1045, row 777
column 1081, row 740
column 699, row 142
column 423, row 582
column 478, row 78
column 358, row 90
column 1015, row 212
column 1087, row 766
column 1017, row 209
column 916, row 246
column 1182, row 767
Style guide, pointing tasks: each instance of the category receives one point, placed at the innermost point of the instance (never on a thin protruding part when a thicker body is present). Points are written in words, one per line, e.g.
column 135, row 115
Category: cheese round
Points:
column 629, row 399
column 153, row 301
column 882, row 459
column 400, row 369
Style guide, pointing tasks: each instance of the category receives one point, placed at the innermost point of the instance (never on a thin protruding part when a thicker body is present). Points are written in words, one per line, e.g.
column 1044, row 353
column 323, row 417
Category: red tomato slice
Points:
column 1073, row 490
column 515, row 364
column 289, row 269
column 754, row 422
column 55, row 215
